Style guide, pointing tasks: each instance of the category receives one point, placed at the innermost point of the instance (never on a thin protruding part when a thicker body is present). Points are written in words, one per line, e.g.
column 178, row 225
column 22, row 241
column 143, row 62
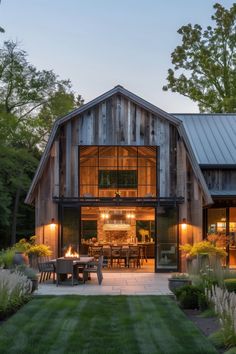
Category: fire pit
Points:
column 70, row 254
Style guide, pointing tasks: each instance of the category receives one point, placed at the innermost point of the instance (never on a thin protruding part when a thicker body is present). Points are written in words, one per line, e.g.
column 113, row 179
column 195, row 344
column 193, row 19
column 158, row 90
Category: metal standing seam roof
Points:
column 212, row 136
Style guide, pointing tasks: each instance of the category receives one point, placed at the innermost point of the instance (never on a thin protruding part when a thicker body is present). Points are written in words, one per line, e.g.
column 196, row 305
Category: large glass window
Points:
column 129, row 170
column 221, row 229
column 232, row 232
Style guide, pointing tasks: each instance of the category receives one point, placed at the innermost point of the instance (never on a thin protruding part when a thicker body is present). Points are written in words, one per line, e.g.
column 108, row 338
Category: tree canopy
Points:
column 30, row 101
column 205, row 63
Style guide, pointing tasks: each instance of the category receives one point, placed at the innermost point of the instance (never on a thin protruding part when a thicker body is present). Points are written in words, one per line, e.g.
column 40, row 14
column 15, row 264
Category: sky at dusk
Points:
column 99, row 44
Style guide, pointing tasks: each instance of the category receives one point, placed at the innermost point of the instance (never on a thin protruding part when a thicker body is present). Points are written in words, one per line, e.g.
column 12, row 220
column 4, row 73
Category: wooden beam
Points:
column 68, row 159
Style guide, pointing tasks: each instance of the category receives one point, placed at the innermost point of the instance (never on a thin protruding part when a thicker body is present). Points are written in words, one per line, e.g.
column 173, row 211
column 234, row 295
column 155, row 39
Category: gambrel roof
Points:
column 213, row 138
column 142, row 103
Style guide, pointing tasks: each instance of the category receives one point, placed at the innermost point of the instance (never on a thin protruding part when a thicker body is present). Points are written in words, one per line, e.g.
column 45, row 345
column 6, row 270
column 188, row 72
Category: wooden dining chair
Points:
column 94, row 267
column 46, row 270
column 65, row 267
column 134, row 256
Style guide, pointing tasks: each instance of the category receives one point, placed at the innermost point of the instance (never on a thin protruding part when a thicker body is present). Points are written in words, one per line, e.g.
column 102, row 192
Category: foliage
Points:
column 217, row 339
column 201, row 248
column 39, row 251
column 180, row 276
column 189, row 295
column 6, row 257
column 230, row 284
column 28, row 247
column 231, row 351
column 205, row 63
column 30, row 273
column 15, row 289
column 224, row 304
column 30, row 102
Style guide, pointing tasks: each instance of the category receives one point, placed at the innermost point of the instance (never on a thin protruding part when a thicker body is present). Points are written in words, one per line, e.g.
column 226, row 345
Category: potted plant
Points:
column 178, row 280
column 31, row 275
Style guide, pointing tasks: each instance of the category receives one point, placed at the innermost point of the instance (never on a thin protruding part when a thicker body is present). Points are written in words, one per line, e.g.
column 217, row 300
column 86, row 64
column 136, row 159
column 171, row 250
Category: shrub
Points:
column 28, row 247
column 39, row 251
column 230, row 284
column 30, row 273
column 180, row 276
column 6, row 258
column 15, row 290
column 203, row 247
column 189, row 295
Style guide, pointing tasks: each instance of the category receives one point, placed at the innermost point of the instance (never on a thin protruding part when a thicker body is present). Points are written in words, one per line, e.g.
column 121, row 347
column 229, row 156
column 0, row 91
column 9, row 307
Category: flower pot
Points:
column 177, row 283
column 35, row 284
column 20, row 258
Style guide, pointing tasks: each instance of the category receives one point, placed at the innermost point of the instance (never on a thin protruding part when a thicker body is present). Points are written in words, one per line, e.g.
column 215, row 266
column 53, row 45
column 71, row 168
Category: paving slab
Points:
column 113, row 284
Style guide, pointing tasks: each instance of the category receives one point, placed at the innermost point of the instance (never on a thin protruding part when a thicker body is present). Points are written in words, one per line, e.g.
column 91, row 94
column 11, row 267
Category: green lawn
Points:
column 101, row 324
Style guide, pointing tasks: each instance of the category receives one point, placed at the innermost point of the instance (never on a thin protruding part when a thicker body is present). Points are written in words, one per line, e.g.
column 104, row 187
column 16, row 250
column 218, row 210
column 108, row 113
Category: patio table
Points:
column 82, row 262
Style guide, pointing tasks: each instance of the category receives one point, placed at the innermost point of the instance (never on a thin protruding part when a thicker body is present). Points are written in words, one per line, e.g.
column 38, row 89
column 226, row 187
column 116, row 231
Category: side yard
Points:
column 102, row 324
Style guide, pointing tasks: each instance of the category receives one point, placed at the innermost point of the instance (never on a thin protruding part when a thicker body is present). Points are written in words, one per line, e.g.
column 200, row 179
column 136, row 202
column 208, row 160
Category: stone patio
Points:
column 113, row 284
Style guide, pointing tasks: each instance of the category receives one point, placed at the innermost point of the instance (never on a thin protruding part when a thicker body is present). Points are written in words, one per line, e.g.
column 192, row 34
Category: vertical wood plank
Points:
column 68, row 159
column 138, row 122
column 56, row 170
column 76, row 171
column 133, row 123
column 128, row 122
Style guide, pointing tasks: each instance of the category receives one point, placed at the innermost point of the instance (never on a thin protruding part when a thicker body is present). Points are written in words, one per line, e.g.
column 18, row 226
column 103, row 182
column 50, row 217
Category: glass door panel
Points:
column 167, row 239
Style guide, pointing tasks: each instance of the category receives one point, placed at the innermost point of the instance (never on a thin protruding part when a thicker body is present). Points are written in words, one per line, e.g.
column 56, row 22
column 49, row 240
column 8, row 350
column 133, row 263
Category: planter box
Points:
column 178, row 283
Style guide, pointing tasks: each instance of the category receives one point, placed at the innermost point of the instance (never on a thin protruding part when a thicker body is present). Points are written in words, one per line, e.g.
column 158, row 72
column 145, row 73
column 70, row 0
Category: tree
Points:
column 30, row 101
column 205, row 63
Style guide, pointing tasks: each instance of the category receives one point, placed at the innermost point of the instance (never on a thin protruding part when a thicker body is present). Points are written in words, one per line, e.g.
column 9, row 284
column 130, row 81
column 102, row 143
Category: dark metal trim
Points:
column 117, row 201
column 218, row 167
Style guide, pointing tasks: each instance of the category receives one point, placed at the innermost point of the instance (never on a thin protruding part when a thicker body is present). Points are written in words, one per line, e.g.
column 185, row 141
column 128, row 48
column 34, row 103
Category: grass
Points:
column 102, row 325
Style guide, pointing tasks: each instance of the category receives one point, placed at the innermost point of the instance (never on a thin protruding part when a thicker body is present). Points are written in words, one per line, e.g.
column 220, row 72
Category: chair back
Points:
column 106, row 251
column 95, row 251
column 133, row 251
column 100, row 263
column 115, row 251
column 46, row 267
column 64, row 266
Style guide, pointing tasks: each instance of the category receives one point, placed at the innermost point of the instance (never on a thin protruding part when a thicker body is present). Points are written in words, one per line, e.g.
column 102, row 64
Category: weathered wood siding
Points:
column 45, row 209
column 118, row 121
column 220, row 180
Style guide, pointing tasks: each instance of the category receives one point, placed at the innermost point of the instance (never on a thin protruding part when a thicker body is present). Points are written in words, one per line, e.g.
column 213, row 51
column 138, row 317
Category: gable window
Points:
column 131, row 170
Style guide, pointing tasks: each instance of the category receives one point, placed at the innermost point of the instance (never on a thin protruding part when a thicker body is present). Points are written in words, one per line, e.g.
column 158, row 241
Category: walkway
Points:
column 113, row 284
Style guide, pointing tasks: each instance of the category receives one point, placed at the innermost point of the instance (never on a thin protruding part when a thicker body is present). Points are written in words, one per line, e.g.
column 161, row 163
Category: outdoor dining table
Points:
column 80, row 262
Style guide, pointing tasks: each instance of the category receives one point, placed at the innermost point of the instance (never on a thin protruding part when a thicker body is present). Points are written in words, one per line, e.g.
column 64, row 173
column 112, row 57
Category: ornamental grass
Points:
column 224, row 304
column 15, row 290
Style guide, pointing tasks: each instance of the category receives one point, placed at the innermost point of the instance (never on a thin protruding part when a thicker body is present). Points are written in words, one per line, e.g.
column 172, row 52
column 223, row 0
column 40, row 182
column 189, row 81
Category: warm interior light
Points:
column 130, row 215
column 184, row 224
column 104, row 216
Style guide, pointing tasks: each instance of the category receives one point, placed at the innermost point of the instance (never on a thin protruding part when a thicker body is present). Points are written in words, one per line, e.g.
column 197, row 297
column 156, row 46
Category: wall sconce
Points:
column 184, row 224
column 52, row 225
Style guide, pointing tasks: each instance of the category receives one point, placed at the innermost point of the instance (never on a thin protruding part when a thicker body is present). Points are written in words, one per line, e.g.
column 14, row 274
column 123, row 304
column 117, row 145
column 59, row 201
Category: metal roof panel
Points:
column 212, row 136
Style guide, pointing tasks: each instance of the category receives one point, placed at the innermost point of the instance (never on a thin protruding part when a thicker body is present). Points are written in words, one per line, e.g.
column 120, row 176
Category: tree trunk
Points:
column 14, row 216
